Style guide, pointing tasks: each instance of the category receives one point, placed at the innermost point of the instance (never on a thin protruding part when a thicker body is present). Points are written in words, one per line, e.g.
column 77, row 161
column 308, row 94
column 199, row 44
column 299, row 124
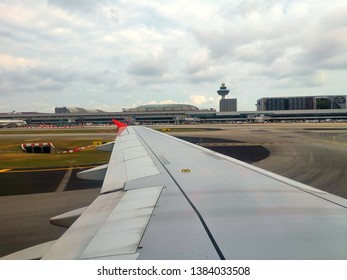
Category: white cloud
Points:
column 16, row 61
column 175, row 51
column 203, row 102
column 61, row 31
column 198, row 99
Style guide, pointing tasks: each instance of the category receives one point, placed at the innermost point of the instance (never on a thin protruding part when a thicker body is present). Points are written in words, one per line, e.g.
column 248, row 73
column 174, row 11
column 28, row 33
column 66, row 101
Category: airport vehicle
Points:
column 165, row 198
column 12, row 123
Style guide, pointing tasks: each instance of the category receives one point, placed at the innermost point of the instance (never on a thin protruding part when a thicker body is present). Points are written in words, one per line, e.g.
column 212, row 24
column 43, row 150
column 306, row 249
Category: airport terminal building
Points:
column 163, row 108
column 75, row 110
column 162, row 115
column 269, row 109
column 302, row 103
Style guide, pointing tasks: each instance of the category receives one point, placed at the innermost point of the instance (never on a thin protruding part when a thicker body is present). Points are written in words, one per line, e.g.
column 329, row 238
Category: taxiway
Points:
column 314, row 154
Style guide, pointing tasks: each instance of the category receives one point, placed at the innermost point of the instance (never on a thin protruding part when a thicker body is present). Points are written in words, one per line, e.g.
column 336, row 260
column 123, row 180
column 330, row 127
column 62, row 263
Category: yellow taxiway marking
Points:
column 47, row 169
column 4, row 170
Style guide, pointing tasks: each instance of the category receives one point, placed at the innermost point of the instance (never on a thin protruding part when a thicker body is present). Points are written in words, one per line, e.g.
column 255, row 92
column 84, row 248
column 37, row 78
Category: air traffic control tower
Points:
column 226, row 104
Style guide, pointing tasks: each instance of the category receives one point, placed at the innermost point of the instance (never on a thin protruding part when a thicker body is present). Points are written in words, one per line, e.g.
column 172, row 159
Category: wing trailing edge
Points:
column 68, row 218
column 108, row 147
column 32, row 253
column 110, row 228
column 97, row 173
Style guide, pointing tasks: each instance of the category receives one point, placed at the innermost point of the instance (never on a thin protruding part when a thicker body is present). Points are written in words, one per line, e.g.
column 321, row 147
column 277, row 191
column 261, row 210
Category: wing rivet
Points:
column 185, row 170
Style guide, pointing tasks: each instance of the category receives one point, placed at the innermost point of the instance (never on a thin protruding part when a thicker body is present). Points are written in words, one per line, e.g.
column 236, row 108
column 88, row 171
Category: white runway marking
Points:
column 65, row 180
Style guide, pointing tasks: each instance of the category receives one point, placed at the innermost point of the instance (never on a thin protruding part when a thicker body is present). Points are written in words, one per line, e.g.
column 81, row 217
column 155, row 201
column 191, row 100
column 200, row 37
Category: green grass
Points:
column 25, row 160
column 12, row 155
column 59, row 131
column 60, row 144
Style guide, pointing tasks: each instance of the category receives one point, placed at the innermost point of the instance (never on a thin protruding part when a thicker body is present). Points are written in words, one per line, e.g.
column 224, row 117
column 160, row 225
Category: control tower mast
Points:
column 226, row 104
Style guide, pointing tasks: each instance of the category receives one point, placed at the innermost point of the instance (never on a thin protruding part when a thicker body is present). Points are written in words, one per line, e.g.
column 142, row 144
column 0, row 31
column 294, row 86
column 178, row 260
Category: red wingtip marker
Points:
column 119, row 124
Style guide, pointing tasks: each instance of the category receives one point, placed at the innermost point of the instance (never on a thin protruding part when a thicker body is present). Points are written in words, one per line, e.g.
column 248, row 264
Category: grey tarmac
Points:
column 311, row 153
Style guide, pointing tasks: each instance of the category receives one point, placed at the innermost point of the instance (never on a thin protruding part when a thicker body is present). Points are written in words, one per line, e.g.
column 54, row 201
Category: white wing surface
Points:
column 164, row 198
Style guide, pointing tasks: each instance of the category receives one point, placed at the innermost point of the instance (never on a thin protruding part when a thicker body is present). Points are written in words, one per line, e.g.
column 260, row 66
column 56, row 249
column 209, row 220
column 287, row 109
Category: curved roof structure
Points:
column 164, row 107
column 76, row 110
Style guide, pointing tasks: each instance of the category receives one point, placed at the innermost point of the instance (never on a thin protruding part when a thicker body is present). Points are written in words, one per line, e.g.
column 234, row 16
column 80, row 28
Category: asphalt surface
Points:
column 24, row 219
column 232, row 148
column 314, row 154
column 311, row 153
column 32, row 181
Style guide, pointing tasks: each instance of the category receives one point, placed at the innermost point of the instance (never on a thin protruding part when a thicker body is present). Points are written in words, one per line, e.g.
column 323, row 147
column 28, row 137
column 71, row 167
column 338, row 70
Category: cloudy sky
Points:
column 114, row 54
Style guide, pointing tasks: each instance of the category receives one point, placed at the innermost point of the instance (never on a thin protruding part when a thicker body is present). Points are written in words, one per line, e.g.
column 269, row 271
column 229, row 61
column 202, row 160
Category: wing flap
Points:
column 129, row 161
column 122, row 231
column 140, row 168
column 111, row 227
column 118, row 257
column 97, row 173
column 68, row 218
column 78, row 236
column 108, row 147
column 134, row 152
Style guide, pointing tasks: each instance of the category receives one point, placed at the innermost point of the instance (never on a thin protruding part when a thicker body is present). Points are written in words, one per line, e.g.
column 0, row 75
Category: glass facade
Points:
column 301, row 103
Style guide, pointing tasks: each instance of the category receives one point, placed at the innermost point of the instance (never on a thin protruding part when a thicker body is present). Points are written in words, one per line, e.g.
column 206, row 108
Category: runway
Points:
column 314, row 154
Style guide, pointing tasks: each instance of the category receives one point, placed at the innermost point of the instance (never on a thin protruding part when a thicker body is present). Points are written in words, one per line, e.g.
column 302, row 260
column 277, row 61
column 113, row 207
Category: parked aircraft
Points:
column 12, row 123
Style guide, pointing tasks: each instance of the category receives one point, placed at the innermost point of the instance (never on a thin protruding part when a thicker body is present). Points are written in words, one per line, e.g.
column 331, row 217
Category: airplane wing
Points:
column 164, row 198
